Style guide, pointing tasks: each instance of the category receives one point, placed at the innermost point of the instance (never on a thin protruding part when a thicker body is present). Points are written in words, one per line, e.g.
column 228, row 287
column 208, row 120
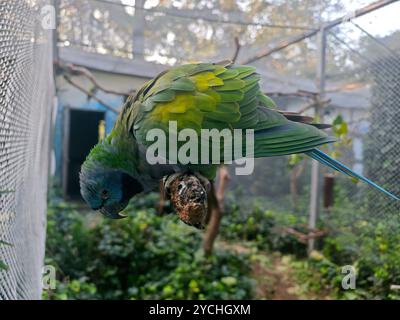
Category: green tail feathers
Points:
column 336, row 165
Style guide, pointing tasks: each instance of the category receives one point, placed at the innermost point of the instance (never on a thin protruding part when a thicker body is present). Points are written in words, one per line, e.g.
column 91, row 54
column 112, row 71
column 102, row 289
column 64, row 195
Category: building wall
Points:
column 72, row 97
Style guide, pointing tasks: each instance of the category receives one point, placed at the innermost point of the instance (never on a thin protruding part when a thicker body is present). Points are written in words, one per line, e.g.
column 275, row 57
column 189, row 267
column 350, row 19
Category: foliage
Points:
column 369, row 243
column 144, row 256
column 3, row 266
column 147, row 256
column 340, row 130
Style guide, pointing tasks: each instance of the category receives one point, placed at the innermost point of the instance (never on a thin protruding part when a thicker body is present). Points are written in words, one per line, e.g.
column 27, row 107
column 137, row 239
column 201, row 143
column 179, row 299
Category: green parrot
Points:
column 193, row 96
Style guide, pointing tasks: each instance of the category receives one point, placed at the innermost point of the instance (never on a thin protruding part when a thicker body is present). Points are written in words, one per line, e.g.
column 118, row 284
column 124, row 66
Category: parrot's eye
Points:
column 104, row 194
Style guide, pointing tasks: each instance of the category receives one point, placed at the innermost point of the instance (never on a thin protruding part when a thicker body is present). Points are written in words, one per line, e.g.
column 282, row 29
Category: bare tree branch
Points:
column 215, row 216
column 223, row 180
column 90, row 94
column 237, row 50
column 304, row 237
column 77, row 70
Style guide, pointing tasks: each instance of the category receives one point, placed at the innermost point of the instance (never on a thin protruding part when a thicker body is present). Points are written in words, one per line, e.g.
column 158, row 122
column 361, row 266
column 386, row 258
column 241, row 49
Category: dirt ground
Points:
column 275, row 278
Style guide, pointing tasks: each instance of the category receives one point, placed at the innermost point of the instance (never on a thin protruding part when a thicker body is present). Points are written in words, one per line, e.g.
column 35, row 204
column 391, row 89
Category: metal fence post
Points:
column 138, row 30
column 315, row 174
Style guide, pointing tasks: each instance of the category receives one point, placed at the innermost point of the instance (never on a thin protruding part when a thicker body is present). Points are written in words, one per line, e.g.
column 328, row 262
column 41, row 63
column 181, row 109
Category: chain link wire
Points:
column 374, row 75
column 359, row 83
column 26, row 97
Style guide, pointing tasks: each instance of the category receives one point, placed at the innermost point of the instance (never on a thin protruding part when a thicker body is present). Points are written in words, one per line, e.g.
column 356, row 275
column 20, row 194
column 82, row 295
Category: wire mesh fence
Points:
column 171, row 32
column 362, row 81
column 361, row 75
column 365, row 91
column 362, row 85
column 371, row 81
column 26, row 97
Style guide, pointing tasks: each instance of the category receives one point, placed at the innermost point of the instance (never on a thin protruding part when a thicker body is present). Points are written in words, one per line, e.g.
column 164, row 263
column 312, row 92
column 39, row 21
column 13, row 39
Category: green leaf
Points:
column 338, row 120
column 229, row 281
column 3, row 266
column 5, row 243
column 294, row 159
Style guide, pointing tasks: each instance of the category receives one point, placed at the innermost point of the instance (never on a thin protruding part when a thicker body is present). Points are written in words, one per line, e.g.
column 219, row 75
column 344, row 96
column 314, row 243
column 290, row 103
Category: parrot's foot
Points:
column 204, row 181
column 188, row 194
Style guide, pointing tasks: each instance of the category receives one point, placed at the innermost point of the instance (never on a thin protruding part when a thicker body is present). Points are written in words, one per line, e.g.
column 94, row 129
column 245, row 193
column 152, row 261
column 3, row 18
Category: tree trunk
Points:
column 215, row 216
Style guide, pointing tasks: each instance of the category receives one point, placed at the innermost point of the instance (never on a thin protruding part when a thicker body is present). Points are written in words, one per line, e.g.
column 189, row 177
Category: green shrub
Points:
column 369, row 243
column 356, row 236
column 144, row 256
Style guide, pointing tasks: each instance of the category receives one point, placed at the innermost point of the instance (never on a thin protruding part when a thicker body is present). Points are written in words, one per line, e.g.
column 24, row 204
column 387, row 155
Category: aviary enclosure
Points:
column 293, row 229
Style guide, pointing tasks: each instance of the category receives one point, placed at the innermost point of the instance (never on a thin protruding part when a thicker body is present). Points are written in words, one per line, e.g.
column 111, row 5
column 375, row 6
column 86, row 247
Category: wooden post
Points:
column 329, row 184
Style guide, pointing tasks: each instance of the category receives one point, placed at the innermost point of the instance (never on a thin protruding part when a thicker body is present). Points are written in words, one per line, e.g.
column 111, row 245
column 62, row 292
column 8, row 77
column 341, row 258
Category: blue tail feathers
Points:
column 336, row 165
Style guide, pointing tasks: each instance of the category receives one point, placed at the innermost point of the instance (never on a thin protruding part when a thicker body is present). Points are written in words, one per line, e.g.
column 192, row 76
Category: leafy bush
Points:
column 370, row 243
column 144, row 256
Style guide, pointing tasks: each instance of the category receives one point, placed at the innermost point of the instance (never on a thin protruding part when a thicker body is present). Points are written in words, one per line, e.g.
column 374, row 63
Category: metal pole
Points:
column 138, row 30
column 315, row 176
column 56, row 6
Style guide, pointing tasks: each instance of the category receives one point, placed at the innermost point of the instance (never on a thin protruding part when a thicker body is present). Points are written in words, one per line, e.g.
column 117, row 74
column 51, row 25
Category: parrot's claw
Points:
column 204, row 181
column 167, row 180
column 188, row 194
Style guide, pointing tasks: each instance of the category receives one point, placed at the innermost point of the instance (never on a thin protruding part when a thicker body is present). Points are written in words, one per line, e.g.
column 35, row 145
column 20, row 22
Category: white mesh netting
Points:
column 26, row 97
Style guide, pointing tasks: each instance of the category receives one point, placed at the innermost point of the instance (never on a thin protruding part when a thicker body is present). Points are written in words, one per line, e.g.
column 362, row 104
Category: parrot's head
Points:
column 107, row 190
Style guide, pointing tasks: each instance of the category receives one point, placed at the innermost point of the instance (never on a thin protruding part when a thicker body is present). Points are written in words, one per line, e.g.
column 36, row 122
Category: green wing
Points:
column 220, row 96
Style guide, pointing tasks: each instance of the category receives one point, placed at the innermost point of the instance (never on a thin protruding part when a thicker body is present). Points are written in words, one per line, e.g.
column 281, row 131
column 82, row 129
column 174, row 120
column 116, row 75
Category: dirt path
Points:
column 275, row 277
column 274, row 281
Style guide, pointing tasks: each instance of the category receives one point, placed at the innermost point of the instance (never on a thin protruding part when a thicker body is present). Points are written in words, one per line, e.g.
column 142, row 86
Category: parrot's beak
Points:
column 113, row 211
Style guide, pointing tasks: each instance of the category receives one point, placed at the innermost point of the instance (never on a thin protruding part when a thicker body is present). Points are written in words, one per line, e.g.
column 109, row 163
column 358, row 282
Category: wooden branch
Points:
column 215, row 216
column 279, row 46
column 237, row 50
column 77, row 70
column 223, row 180
column 90, row 94
column 304, row 237
column 306, row 107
